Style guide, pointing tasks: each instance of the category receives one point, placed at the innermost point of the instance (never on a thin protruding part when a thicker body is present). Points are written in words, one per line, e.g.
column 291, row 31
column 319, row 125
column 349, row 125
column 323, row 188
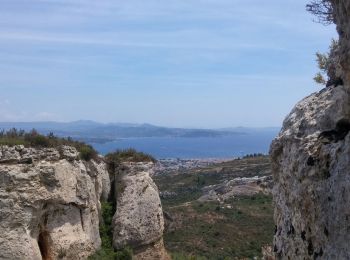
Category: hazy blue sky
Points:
column 187, row 63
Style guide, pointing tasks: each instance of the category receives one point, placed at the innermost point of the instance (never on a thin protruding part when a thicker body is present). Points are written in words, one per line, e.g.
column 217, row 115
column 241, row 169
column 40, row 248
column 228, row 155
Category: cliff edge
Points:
column 311, row 166
column 50, row 203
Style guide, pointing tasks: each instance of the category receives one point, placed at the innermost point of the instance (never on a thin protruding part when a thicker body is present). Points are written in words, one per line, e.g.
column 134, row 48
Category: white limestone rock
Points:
column 311, row 166
column 69, row 153
column 237, row 187
column 138, row 220
column 49, row 207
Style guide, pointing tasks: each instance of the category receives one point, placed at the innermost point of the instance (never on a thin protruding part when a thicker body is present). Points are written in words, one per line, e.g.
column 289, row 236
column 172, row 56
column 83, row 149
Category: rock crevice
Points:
column 50, row 205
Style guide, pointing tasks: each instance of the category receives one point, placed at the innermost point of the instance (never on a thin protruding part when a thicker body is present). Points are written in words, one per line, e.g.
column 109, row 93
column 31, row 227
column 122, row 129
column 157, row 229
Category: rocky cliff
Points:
column 50, row 205
column 311, row 166
column 138, row 221
column 341, row 14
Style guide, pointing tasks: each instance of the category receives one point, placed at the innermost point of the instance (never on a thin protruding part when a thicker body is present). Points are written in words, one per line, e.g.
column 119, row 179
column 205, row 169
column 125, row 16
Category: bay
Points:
column 194, row 148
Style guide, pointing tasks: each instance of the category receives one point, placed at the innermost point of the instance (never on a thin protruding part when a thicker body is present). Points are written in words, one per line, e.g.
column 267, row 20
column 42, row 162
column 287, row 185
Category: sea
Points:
column 224, row 147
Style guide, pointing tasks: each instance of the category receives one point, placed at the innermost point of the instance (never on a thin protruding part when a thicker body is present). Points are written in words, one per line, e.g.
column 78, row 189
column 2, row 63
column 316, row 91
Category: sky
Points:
column 177, row 63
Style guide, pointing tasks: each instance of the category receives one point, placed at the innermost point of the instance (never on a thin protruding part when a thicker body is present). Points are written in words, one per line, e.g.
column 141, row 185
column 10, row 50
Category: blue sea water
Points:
column 195, row 148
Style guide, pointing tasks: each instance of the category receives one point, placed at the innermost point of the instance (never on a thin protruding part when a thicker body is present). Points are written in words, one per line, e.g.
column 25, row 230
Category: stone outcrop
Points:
column 138, row 221
column 49, row 203
column 311, row 166
column 341, row 9
column 237, row 187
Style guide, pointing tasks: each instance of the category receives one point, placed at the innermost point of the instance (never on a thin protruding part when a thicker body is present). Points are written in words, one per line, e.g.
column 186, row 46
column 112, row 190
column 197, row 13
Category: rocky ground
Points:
column 171, row 165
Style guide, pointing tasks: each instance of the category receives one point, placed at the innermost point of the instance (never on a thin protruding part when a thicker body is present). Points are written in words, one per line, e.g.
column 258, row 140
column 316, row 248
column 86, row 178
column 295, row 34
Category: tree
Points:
column 323, row 10
column 326, row 64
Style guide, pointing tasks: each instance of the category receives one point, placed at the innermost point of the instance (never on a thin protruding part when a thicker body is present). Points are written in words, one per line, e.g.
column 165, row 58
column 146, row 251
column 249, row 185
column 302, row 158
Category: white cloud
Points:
column 79, row 50
column 182, row 39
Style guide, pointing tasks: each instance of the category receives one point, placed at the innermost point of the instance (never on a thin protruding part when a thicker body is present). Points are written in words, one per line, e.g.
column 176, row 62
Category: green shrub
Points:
column 34, row 139
column 325, row 63
column 86, row 152
column 125, row 254
column 107, row 251
column 127, row 155
column 182, row 256
column 39, row 141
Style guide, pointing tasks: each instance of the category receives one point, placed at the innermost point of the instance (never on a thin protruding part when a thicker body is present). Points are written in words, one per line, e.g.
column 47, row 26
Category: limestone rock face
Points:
column 153, row 251
column 138, row 221
column 341, row 14
column 49, row 203
column 311, row 170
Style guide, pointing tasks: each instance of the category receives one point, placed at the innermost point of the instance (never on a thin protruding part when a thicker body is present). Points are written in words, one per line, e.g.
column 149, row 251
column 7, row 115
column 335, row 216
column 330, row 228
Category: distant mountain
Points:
column 92, row 131
column 251, row 129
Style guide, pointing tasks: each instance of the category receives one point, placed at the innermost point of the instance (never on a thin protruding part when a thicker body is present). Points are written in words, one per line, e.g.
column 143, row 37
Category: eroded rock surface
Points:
column 237, row 187
column 138, row 221
column 341, row 15
column 311, row 166
column 49, row 203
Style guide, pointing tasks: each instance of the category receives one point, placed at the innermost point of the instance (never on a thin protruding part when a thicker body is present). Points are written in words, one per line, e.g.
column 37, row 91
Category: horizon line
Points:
column 135, row 124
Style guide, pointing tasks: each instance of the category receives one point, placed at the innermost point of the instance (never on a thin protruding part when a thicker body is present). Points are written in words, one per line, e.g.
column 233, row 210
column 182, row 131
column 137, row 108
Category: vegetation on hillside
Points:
column 107, row 251
column 128, row 155
column 34, row 139
column 208, row 230
column 252, row 155
column 237, row 229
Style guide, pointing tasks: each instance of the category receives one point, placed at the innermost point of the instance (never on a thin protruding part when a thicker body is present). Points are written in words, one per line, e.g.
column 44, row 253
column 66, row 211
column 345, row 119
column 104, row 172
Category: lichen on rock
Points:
column 311, row 165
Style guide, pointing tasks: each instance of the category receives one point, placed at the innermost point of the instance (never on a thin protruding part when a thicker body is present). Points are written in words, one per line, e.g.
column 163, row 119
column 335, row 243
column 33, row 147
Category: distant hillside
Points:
column 98, row 132
column 201, row 227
